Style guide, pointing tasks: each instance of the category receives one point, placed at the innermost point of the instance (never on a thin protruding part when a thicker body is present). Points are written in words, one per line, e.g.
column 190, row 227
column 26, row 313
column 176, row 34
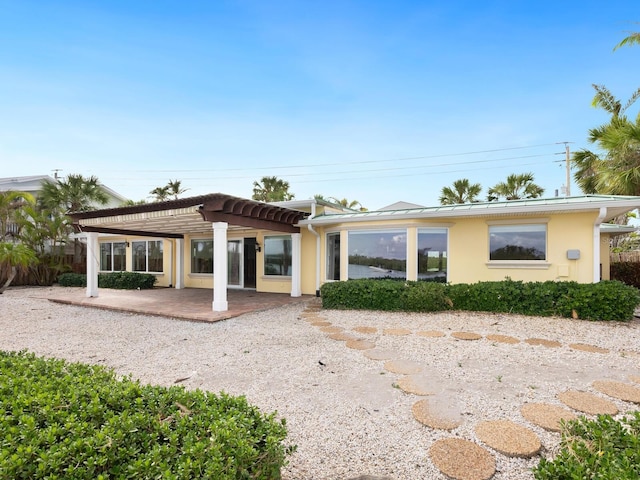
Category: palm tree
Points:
column 271, row 189
column 632, row 39
column 352, row 205
column 10, row 204
column 14, row 255
column 75, row 193
column 616, row 170
column 460, row 192
column 516, row 187
column 175, row 188
column 161, row 194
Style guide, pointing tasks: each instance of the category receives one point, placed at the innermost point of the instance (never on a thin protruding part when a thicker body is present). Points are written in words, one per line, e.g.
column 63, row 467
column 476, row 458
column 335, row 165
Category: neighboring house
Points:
column 221, row 241
column 33, row 184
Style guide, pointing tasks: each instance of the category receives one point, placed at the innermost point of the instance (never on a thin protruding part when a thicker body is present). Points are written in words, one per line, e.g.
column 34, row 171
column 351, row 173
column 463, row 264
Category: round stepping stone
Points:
column 619, row 390
column 333, row 329
column 360, row 344
column 466, row 336
column 404, row 367
column 546, row 415
column 585, row 347
column 543, row 342
column 308, row 314
column 435, row 417
column 365, row 330
column 396, row 331
column 587, row 403
column 462, row 459
column 375, row 354
column 503, row 339
column 634, row 379
column 341, row 336
column 417, row 385
column 321, row 323
column 430, row 333
column 509, row 438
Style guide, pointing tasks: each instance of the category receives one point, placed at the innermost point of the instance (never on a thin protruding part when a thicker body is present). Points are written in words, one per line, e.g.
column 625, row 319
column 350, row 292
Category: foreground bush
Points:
column 595, row 449
column 117, row 280
column 68, row 420
column 606, row 300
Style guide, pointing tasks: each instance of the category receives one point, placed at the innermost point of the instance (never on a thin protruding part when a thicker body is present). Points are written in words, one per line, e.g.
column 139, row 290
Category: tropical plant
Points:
column 271, row 189
column 462, row 191
column 517, row 186
column 632, row 39
column 350, row 204
column 173, row 188
column 10, row 204
column 15, row 255
column 616, row 170
column 75, row 193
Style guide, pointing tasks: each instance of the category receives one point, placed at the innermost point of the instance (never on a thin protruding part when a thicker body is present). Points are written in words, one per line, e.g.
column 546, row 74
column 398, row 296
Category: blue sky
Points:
column 376, row 101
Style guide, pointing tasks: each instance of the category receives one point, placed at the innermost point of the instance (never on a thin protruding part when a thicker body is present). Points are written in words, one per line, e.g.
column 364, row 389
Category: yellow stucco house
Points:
column 218, row 241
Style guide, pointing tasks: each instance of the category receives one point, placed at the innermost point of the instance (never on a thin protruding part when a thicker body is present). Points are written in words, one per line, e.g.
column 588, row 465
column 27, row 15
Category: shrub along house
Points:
column 218, row 241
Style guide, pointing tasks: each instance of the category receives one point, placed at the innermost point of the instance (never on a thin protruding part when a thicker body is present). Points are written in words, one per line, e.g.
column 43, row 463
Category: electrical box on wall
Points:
column 573, row 254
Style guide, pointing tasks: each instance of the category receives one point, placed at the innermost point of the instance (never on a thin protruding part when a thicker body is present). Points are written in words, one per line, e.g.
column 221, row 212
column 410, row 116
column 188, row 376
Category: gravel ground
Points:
column 343, row 409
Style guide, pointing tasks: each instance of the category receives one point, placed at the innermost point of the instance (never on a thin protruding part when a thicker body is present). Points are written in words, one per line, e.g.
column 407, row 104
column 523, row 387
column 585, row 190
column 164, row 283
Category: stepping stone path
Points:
column 587, row 403
column 417, row 385
column 462, row 459
column 503, row 339
column 546, row 416
column 396, row 331
column 365, row 330
column 543, row 342
column 403, row 367
column 376, row 354
column 588, row 348
column 360, row 344
column 619, row 390
column 436, row 414
column 466, row 336
column 430, row 334
column 332, row 329
column 509, row 438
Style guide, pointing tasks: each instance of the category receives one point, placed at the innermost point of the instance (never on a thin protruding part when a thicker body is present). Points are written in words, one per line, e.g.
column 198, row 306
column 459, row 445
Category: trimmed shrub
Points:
column 116, row 280
column 603, row 448
column 126, row 280
column 72, row 280
column 70, row 420
column 606, row 300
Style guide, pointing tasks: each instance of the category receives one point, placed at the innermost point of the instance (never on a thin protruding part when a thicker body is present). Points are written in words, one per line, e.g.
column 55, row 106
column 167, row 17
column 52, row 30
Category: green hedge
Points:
column 117, row 280
column 603, row 448
column 606, row 300
column 70, row 420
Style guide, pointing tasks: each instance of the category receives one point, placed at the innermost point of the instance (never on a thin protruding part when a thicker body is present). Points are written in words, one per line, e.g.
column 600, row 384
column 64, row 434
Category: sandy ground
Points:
column 344, row 411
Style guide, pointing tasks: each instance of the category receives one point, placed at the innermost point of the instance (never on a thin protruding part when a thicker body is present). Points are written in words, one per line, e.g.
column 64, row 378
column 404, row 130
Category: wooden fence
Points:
column 632, row 256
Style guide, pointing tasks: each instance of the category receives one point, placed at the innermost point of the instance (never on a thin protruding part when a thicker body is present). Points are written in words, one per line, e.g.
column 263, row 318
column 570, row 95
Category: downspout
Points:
column 310, row 227
column 596, row 244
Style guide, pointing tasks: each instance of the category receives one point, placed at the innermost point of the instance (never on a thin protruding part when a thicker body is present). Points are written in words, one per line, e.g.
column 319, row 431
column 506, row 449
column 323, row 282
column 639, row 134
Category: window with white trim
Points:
column 201, row 256
column 377, row 253
column 277, row 255
column 148, row 256
column 113, row 256
column 432, row 254
column 518, row 242
column 333, row 256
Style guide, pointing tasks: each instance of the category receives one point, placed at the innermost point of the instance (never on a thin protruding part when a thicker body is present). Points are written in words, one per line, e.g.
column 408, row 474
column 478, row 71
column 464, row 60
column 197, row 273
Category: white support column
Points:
column 179, row 263
column 93, row 253
column 220, row 267
column 296, row 290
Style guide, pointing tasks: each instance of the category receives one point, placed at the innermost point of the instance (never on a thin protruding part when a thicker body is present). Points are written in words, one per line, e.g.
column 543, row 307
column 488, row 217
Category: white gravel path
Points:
column 346, row 416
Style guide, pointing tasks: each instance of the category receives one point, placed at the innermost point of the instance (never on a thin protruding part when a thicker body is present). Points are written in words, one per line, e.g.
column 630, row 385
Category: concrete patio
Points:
column 194, row 304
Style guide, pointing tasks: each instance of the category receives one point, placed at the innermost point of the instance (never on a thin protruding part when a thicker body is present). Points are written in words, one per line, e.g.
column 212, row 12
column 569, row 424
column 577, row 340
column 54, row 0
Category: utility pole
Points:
column 567, row 190
column 55, row 173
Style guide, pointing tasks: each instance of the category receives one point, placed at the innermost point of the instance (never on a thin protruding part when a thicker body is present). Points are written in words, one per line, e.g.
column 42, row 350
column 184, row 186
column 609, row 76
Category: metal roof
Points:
column 615, row 205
